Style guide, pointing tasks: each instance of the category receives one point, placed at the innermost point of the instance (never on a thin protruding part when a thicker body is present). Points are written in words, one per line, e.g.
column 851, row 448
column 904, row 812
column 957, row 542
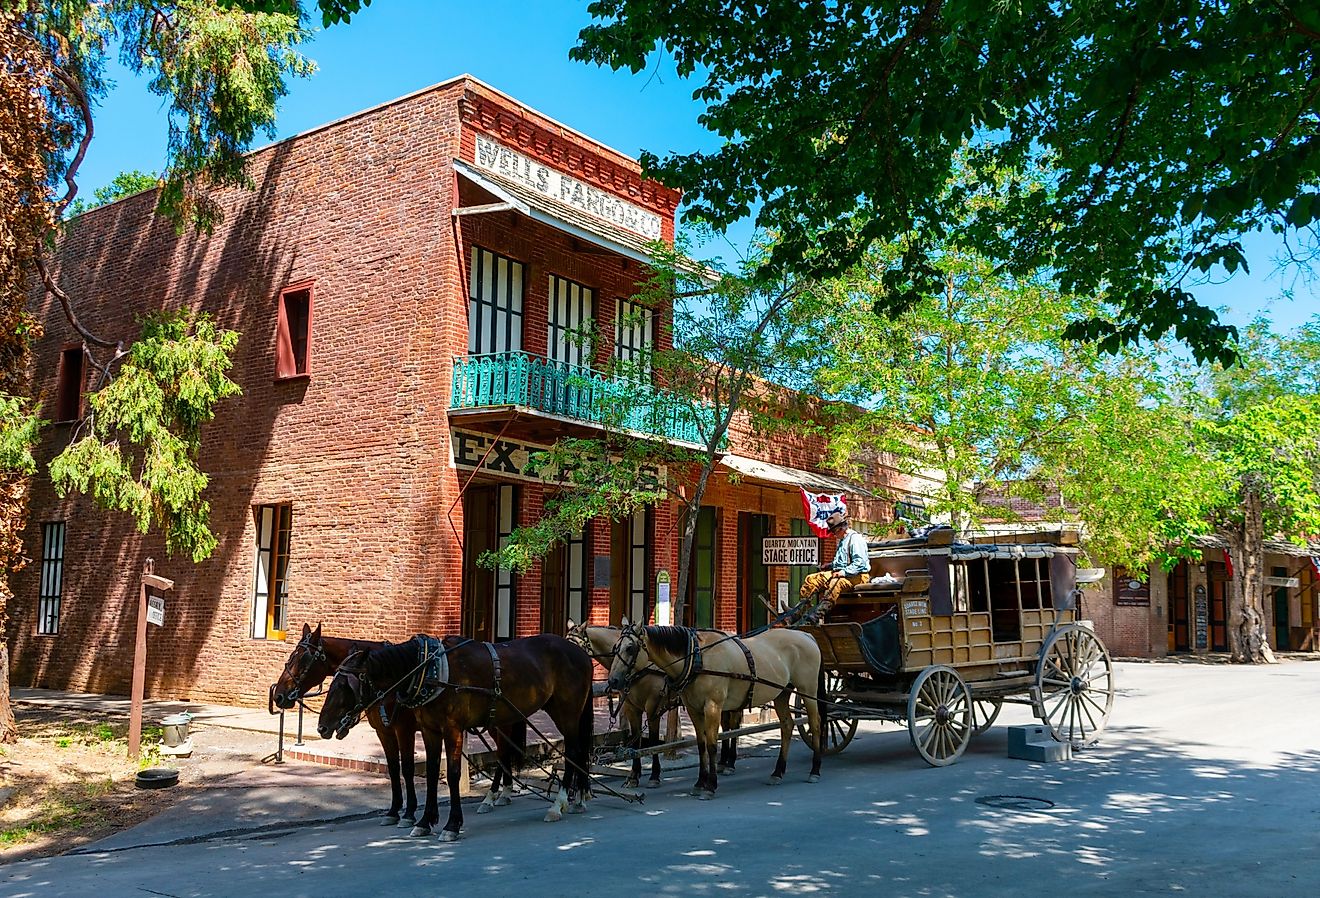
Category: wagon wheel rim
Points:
column 939, row 715
column 984, row 713
column 1076, row 682
column 837, row 728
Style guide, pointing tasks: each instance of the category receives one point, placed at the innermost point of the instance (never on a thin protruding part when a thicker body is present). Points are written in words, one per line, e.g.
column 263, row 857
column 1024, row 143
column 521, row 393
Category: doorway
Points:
column 629, row 564
column 701, row 575
column 1180, row 639
column 753, row 575
column 489, row 515
column 1217, row 574
column 564, row 585
column 1281, row 641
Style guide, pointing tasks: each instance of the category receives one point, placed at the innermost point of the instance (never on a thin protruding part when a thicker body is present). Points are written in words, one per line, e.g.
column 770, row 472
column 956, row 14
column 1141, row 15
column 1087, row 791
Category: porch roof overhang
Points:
column 1271, row 546
column 511, row 196
column 778, row 475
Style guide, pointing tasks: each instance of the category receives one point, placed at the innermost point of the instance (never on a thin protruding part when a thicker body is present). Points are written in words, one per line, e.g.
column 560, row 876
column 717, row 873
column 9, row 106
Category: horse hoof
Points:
column 553, row 816
column 503, row 801
column 705, row 795
column 814, row 778
column 725, row 771
column 774, row 781
column 390, row 820
column 407, row 821
column 577, row 807
column 485, row 808
column 420, row 830
column 651, row 784
column 630, row 783
column 447, row 836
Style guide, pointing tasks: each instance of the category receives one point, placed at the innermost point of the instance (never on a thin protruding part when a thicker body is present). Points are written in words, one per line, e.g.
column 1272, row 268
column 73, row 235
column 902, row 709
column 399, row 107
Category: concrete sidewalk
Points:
column 359, row 751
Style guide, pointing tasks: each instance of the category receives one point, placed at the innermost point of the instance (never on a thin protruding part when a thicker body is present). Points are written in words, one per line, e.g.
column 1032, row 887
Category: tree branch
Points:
column 56, row 291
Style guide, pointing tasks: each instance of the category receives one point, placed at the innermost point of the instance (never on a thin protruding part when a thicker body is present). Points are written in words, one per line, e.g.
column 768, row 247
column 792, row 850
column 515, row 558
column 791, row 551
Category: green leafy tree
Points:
column 137, row 449
column 1255, row 425
column 126, row 183
column 1173, row 130
column 978, row 390
column 734, row 337
column 220, row 66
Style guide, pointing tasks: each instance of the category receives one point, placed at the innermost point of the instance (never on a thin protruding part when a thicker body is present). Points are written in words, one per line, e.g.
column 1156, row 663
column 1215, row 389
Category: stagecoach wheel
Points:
column 837, row 728
column 939, row 715
column 1076, row 682
column 984, row 712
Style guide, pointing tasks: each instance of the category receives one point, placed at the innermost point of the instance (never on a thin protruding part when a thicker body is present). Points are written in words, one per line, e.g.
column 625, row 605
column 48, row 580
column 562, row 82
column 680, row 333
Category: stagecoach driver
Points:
column 850, row 567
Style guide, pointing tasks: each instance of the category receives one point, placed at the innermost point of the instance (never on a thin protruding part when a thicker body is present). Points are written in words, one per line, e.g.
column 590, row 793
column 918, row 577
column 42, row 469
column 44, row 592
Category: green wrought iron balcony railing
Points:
column 556, row 388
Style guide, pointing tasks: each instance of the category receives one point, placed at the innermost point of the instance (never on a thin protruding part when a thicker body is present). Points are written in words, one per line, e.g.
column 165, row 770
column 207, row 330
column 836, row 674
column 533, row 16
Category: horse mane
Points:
column 392, row 660
column 674, row 640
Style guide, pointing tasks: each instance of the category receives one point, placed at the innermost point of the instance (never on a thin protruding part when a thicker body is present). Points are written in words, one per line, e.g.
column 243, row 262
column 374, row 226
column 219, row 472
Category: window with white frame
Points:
column 270, row 594
column 569, row 322
column 505, row 584
column 52, row 578
column 495, row 303
column 634, row 334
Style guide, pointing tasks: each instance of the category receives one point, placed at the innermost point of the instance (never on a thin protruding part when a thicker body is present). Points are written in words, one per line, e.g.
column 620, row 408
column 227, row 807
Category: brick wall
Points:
column 361, row 208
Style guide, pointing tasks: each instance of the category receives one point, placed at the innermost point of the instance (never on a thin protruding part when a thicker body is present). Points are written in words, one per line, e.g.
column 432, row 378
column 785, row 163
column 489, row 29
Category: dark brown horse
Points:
column 316, row 657
column 468, row 685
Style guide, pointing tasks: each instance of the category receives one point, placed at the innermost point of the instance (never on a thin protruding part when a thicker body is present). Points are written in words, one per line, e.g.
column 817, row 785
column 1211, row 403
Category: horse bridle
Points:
column 357, row 680
column 578, row 636
column 307, row 651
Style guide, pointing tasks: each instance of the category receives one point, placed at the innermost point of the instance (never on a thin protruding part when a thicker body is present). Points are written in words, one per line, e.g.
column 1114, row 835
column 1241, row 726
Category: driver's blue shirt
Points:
column 852, row 556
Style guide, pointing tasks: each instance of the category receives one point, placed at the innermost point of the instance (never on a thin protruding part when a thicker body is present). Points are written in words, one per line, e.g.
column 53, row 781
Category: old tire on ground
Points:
column 939, row 715
column 839, row 729
column 1075, row 677
column 157, row 778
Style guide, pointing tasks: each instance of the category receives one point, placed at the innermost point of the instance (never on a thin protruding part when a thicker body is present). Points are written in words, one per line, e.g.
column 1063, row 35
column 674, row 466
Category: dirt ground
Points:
column 68, row 781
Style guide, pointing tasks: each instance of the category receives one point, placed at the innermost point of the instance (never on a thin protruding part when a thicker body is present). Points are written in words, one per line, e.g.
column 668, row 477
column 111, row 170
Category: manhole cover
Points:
column 1016, row 802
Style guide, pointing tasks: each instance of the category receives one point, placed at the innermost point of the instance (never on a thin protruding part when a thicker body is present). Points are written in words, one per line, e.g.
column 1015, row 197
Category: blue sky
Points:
column 395, row 47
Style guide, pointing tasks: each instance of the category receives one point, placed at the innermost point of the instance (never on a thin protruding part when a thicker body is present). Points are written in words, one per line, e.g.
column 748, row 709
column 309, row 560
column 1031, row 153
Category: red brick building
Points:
column 406, row 282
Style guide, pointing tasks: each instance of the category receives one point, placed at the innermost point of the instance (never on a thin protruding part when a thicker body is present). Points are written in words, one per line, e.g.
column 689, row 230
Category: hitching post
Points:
column 140, row 657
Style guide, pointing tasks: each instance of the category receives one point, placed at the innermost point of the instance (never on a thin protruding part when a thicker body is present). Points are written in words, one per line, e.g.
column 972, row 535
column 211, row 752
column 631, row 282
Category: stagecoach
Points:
column 947, row 632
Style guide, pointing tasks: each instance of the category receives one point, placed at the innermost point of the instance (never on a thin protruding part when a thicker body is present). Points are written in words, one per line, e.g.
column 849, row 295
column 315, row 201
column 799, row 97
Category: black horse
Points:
column 466, row 685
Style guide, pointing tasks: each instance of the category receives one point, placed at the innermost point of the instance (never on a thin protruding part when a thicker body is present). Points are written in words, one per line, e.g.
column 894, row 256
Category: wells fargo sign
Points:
column 534, row 175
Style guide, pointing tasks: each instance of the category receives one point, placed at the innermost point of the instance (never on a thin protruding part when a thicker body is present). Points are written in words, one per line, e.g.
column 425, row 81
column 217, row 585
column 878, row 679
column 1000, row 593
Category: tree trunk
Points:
column 13, row 516
column 1246, row 589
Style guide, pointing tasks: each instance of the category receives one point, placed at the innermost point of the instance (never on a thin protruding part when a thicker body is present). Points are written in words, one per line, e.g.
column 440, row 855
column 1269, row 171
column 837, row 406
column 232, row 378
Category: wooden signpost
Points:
column 156, row 614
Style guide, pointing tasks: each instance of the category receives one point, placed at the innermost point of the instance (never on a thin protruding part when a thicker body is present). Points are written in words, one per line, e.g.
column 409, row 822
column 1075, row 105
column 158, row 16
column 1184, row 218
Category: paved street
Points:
column 1207, row 783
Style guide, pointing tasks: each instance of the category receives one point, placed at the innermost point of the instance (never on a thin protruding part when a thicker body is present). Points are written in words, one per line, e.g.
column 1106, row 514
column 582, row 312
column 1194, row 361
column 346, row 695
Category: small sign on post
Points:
column 147, row 612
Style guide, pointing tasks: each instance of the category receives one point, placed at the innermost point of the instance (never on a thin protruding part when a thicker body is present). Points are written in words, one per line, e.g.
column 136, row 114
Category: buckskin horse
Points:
column 466, row 685
column 646, row 695
column 316, row 657
column 717, row 673
column 645, row 692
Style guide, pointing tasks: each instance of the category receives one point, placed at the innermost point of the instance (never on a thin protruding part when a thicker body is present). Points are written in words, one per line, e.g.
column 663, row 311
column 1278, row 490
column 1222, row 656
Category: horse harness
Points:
column 432, row 675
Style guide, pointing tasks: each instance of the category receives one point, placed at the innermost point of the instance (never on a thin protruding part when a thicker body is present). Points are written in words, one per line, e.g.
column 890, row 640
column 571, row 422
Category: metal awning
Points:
column 755, row 469
column 561, row 216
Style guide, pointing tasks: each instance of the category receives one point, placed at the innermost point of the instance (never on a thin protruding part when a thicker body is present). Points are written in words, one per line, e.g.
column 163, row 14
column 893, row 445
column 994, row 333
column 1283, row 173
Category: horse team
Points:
column 444, row 688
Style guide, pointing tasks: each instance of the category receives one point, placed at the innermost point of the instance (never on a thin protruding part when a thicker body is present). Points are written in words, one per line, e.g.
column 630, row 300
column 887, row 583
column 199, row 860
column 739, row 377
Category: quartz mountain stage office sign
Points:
column 534, row 175
column 790, row 550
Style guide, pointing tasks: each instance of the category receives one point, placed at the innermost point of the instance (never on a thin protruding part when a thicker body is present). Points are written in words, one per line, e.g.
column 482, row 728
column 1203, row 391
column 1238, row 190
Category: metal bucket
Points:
column 175, row 729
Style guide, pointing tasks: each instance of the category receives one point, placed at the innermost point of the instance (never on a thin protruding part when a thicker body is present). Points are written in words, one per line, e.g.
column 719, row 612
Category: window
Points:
column 270, row 605
column 701, row 577
column 495, row 303
column 69, row 384
column 578, row 585
column 634, row 333
column 52, row 578
column 571, row 306
column 505, row 584
column 293, row 338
